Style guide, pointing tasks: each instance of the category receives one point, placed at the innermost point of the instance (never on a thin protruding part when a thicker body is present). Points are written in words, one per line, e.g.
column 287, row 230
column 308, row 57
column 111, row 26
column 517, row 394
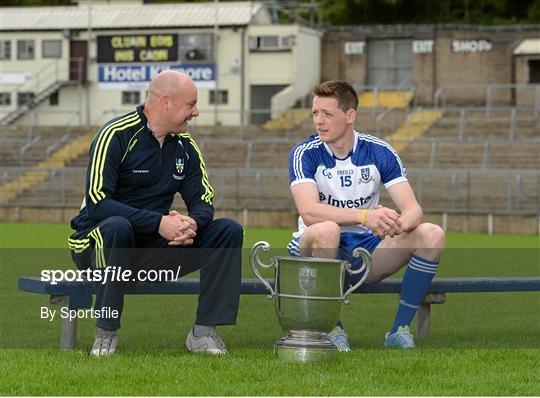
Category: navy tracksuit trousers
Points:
column 216, row 252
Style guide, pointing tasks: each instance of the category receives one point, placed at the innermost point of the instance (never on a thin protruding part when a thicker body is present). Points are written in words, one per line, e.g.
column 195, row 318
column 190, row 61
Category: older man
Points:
column 138, row 162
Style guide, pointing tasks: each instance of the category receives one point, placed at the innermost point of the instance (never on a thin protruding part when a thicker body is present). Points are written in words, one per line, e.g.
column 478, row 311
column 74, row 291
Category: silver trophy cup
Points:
column 308, row 292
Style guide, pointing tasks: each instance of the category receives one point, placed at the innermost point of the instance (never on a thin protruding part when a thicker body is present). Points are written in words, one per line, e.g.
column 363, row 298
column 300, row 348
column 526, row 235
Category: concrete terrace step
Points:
column 415, row 125
column 58, row 159
column 385, row 99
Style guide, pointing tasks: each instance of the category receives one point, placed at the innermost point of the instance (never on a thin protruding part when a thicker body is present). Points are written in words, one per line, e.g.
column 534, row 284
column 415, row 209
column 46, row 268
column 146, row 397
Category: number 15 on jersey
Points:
column 345, row 181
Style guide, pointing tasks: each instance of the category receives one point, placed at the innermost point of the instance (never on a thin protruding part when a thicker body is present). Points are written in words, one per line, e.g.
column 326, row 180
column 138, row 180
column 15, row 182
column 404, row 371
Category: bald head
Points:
column 171, row 102
column 169, row 83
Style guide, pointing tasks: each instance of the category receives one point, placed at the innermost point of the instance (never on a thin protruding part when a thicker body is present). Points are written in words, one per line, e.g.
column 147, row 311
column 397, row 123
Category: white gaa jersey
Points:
column 353, row 182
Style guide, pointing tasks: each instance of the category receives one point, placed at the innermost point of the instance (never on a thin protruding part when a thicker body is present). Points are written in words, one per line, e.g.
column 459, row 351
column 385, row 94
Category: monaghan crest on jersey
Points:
column 365, row 174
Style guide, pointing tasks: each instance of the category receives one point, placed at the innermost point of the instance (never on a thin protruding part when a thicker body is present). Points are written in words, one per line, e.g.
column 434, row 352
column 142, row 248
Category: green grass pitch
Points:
column 481, row 344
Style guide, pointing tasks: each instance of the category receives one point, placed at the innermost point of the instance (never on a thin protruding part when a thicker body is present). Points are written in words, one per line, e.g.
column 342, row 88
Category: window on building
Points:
column 24, row 98
column 131, row 97
column 219, row 97
column 5, row 49
column 534, row 71
column 51, row 49
column 53, row 99
column 195, row 47
column 5, row 99
column 271, row 43
column 267, row 41
column 25, row 49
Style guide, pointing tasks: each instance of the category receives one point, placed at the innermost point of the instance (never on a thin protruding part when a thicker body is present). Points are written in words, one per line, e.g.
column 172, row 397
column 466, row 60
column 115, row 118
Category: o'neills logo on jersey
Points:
column 349, row 204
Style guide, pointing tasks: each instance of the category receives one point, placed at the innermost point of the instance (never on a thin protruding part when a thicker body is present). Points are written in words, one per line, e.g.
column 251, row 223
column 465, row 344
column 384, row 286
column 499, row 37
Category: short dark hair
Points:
column 342, row 91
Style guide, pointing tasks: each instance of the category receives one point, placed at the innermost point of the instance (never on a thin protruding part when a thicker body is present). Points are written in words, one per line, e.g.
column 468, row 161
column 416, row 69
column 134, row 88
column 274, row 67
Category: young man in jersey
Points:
column 336, row 176
column 138, row 162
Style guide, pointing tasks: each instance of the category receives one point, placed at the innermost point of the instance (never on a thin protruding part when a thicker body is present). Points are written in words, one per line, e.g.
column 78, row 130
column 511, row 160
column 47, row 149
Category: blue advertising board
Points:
column 125, row 77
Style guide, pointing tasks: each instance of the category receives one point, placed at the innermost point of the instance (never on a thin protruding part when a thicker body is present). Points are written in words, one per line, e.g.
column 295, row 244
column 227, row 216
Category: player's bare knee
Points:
column 328, row 240
column 434, row 236
column 327, row 234
column 431, row 237
column 323, row 235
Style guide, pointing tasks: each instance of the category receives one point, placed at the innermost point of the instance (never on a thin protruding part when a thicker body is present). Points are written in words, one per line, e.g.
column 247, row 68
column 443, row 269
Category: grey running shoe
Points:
column 209, row 343
column 105, row 342
column 402, row 338
column 339, row 339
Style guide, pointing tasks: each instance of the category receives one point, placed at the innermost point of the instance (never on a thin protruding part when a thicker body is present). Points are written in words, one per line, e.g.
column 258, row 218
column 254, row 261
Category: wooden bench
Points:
column 78, row 295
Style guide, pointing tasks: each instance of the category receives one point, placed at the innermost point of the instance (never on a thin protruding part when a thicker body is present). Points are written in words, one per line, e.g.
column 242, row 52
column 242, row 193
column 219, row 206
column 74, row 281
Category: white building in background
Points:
column 79, row 65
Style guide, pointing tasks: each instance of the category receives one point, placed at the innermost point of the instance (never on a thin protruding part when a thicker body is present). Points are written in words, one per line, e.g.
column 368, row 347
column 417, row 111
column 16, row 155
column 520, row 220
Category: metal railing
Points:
column 461, row 126
column 26, row 147
column 55, row 71
column 41, row 84
column 377, row 88
column 380, row 87
column 477, row 191
column 15, row 150
column 504, row 94
column 445, row 191
column 387, row 120
column 54, row 146
column 254, row 155
column 511, row 119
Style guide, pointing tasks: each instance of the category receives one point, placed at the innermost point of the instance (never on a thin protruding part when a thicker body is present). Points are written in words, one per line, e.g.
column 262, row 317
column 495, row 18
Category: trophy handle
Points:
column 366, row 266
column 254, row 262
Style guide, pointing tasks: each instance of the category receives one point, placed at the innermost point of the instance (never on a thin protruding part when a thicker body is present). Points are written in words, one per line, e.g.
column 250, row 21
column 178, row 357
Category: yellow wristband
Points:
column 363, row 217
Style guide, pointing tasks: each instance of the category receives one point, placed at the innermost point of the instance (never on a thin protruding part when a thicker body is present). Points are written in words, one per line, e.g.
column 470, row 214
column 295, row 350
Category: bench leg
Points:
column 422, row 320
column 68, row 331
column 423, row 326
column 68, row 334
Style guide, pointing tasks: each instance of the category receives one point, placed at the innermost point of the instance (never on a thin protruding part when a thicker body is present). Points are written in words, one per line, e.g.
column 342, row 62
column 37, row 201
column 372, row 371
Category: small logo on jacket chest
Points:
column 179, row 165
column 179, row 169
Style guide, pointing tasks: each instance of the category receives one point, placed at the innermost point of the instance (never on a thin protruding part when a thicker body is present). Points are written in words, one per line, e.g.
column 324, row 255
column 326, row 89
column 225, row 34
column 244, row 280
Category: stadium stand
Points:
column 288, row 120
column 380, row 122
column 459, row 161
column 466, row 124
column 57, row 160
column 224, row 154
column 416, row 124
column 27, row 147
column 385, row 99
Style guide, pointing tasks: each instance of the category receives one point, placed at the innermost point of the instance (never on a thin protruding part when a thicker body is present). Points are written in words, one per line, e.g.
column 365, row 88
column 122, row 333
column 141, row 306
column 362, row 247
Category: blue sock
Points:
column 416, row 281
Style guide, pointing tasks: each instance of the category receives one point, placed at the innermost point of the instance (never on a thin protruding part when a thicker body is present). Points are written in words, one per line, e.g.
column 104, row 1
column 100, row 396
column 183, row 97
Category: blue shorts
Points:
column 347, row 243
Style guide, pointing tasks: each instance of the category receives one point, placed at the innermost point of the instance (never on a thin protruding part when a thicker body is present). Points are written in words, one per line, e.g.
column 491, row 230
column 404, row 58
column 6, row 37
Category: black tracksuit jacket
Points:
column 129, row 175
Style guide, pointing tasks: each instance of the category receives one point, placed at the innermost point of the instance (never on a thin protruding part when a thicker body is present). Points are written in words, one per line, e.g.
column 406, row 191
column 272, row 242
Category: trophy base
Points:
column 305, row 346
